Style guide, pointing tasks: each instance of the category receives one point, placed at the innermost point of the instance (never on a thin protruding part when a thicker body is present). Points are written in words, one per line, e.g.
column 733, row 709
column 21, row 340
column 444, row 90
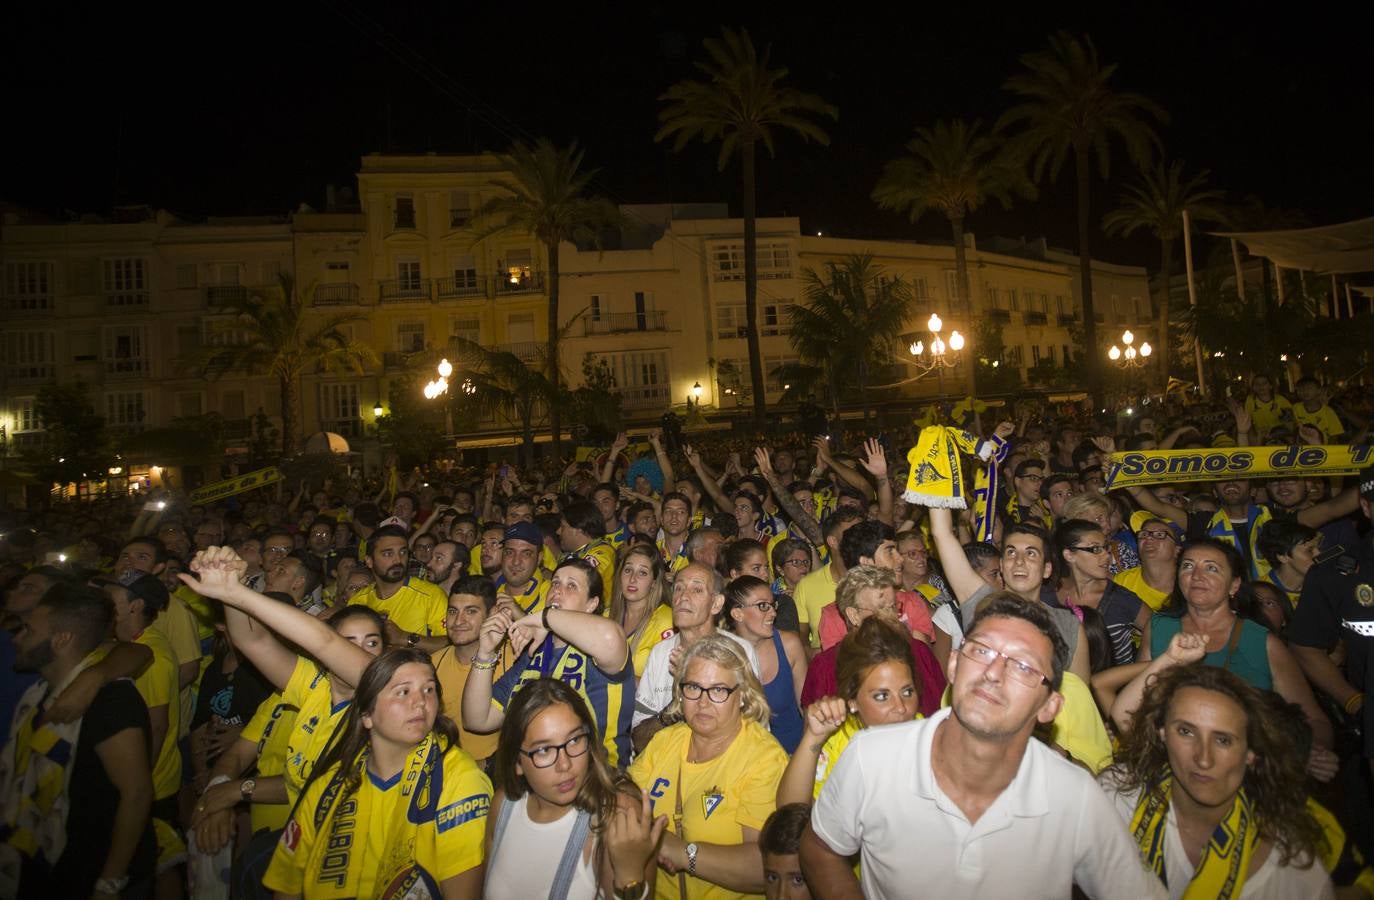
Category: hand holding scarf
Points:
column 936, row 478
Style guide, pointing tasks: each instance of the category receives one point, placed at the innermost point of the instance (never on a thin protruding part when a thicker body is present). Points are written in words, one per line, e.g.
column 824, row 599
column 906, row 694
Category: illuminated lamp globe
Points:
column 917, row 348
column 934, row 324
column 956, row 341
column 1114, row 353
column 1146, row 349
column 445, row 368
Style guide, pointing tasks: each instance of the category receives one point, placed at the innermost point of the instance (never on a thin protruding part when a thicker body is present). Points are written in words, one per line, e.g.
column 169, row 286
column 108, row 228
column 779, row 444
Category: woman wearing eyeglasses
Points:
column 751, row 611
column 714, row 775
column 563, row 822
column 1082, row 555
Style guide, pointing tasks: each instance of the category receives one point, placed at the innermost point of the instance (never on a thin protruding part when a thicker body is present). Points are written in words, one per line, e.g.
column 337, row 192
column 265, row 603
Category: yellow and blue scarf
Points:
column 936, row 478
column 1221, row 871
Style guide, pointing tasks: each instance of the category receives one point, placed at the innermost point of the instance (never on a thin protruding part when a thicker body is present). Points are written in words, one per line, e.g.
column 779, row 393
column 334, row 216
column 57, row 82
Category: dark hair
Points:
column 863, row 540
column 386, row 531
column 1278, row 537
column 760, row 484
column 979, row 552
column 596, row 585
column 1248, row 605
column 676, row 495
column 634, row 509
column 1026, row 465
column 863, row 649
column 351, row 737
column 1007, row 605
column 754, row 502
column 738, row 550
column 358, row 611
column 1178, row 605
column 599, row 795
column 1099, row 641
column 737, row 592
column 782, row 831
column 367, row 514
column 1051, row 481
column 585, row 517
column 1030, row 528
column 835, row 522
column 604, row 486
column 159, row 548
column 81, row 611
column 1067, row 535
column 1275, row 781
column 406, row 495
column 466, row 518
column 476, row 586
column 548, row 524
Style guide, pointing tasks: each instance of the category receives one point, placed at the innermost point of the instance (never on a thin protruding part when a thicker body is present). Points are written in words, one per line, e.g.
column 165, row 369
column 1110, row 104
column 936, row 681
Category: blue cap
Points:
column 525, row 531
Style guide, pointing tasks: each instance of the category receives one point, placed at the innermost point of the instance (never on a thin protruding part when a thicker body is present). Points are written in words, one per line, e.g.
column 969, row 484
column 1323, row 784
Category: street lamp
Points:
column 1130, row 358
column 439, row 387
column 939, row 354
column 377, row 409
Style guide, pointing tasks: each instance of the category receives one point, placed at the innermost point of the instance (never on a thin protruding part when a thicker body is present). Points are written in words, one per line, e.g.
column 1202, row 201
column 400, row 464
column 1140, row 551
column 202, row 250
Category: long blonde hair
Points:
column 724, row 652
column 657, row 587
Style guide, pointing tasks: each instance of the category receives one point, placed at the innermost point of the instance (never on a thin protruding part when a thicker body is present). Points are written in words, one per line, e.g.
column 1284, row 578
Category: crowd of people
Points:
column 711, row 668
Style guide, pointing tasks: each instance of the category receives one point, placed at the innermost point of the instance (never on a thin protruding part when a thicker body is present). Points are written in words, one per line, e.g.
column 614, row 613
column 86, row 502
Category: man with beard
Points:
column 447, row 563
column 414, row 609
column 107, row 846
column 469, row 603
column 999, row 814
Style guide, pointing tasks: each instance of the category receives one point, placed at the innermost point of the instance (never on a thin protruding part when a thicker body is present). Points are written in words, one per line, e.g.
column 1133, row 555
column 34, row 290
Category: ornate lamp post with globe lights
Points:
column 439, row 387
column 939, row 354
column 1130, row 358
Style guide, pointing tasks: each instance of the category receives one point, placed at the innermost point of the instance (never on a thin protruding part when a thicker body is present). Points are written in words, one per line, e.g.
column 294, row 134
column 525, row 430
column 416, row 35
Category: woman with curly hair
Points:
column 1211, row 785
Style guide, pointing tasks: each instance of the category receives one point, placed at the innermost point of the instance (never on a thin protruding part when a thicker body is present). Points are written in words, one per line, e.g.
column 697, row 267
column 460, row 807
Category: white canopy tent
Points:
column 1335, row 249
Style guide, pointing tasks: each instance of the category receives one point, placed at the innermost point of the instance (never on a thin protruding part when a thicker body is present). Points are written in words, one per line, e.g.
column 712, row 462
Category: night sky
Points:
column 252, row 108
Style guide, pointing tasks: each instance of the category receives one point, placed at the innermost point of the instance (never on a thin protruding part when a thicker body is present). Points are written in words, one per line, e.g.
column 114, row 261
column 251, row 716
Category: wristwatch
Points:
column 246, row 789
column 635, row 890
column 412, row 639
column 111, row 886
column 692, row 858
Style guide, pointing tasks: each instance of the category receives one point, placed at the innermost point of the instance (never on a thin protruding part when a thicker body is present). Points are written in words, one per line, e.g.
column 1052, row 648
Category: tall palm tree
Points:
column 548, row 198
column 739, row 102
column 851, row 320
column 1068, row 106
column 504, row 385
column 1156, row 203
column 270, row 333
column 952, row 168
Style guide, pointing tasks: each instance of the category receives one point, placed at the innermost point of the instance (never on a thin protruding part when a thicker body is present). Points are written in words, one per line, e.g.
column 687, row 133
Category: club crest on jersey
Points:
column 710, row 802
column 1364, row 595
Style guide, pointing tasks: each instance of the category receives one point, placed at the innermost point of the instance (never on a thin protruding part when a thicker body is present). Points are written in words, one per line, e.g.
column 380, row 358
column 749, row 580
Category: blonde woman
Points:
column 714, row 774
column 637, row 602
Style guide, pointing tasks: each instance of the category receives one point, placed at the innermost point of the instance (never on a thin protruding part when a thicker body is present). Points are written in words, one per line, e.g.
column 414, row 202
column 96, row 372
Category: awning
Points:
column 1348, row 247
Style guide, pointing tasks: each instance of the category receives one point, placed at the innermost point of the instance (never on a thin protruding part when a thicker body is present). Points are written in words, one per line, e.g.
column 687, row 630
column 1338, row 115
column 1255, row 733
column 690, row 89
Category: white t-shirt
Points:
column 1271, row 882
column 524, row 863
column 1050, row 829
column 655, row 687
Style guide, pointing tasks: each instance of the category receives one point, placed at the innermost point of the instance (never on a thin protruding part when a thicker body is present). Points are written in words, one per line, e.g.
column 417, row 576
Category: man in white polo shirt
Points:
column 964, row 803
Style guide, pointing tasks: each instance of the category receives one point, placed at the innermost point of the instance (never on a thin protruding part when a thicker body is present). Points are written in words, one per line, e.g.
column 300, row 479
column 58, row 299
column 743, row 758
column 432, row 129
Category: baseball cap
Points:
column 393, row 520
column 525, row 531
column 1141, row 518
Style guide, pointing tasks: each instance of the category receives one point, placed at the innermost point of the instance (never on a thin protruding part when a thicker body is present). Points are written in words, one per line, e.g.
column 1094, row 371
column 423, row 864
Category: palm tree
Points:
column 270, row 333
column 851, row 320
column 739, row 102
column 500, row 383
column 1156, row 203
column 952, row 168
column 1068, row 106
column 549, row 199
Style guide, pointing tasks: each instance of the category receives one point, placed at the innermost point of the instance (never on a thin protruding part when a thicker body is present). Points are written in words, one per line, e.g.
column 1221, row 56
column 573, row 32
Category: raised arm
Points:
column 219, row 569
column 845, row 472
column 804, row 522
column 958, row 573
column 592, row 633
column 1343, row 504
column 1150, row 503
column 823, row 718
column 875, row 463
column 617, row 447
column 665, row 465
column 125, row 659
column 480, row 715
column 1184, row 648
column 708, row 481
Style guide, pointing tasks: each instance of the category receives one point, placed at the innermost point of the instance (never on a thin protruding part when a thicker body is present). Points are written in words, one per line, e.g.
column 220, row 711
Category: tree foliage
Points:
column 75, row 443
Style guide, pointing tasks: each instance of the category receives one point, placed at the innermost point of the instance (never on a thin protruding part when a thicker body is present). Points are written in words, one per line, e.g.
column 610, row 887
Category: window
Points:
column 465, row 273
column 190, row 404
column 1063, row 305
column 1142, row 308
column 920, row 290
column 410, row 337
column 408, row 274
column 340, row 411
column 952, row 285
column 1013, row 300
column 405, row 212
column 223, row 331
column 459, row 208
column 1013, row 355
column 1036, row 302
column 1118, row 309
column 28, row 285
column 1066, row 357
column 188, row 339
column 467, row 329
column 271, row 273
column 29, row 354
column 125, row 282
column 774, row 261
column 730, row 321
column 1035, row 354
column 776, row 318
column 994, row 297
column 594, row 309
column 773, row 379
column 187, row 276
column 727, row 262
column 520, row 328
column 1049, row 353
column 641, row 378
column 25, row 415
column 519, row 265
column 125, row 350
column 125, row 409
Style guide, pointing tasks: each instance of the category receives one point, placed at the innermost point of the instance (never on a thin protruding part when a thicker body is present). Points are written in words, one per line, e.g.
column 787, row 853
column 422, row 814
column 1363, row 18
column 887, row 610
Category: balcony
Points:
column 654, row 396
column 528, row 351
column 226, row 294
column 126, row 299
column 1067, row 318
column 127, row 368
column 508, row 285
column 28, row 304
column 337, row 295
column 1035, row 318
column 460, row 288
column 619, row 323
column 30, row 371
column 408, row 291
column 999, row 315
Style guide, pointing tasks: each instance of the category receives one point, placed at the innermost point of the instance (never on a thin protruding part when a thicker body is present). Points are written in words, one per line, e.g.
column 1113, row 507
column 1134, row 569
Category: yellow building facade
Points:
column 115, row 304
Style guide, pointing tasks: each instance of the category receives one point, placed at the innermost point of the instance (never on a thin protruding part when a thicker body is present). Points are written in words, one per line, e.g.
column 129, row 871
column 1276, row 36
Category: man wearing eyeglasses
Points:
column 999, row 815
column 1158, row 541
column 1026, row 505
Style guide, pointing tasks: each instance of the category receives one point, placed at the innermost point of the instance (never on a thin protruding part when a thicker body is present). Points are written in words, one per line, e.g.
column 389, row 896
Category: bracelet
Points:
column 544, row 618
column 1355, row 702
column 635, row 890
column 479, row 663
